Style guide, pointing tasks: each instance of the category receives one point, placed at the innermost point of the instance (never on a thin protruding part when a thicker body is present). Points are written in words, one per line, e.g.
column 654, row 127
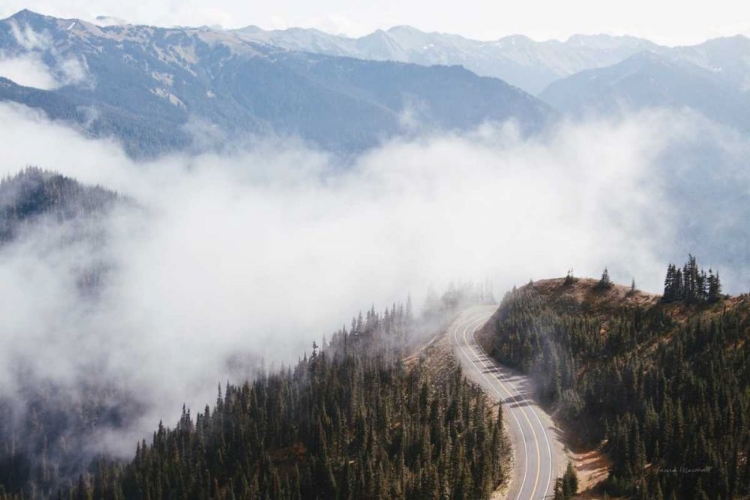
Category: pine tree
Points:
column 570, row 481
column 559, row 493
column 604, row 282
column 714, row 287
column 670, row 285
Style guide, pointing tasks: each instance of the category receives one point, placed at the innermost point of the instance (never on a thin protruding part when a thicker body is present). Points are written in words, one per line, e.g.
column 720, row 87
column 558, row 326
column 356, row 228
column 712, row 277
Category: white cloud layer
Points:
column 265, row 250
column 29, row 67
column 28, row 70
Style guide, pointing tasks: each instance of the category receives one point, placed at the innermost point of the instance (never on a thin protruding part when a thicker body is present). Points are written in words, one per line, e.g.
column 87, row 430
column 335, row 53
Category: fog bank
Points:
column 267, row 249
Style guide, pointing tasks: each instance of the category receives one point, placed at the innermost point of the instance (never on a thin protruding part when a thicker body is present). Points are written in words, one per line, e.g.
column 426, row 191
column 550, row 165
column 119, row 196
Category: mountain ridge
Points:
column 650, row 80
column 146, row 75
column 496, row 58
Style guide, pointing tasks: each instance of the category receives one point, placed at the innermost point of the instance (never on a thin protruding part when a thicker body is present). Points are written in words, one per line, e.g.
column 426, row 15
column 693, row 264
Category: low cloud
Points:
column 266, row 249
column 38, row 63
column 28, row 39
column 28, row 71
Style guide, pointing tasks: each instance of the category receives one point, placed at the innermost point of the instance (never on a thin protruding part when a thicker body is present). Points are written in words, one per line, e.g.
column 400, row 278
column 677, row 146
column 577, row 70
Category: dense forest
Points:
column 662, row 383
column 33, row 194
column 43, row 427
column 351, row 420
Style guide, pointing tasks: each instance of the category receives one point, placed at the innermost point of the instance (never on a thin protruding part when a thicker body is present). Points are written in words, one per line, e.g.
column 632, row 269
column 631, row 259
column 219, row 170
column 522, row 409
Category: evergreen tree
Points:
column 570, row 482
column 604, row 283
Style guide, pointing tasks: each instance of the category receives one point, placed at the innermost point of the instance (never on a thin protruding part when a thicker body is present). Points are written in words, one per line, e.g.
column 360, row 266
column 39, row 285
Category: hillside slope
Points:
column 663, row 387
column 197, row 87
column 47, row 427
column 350, row 421
column 35, row 194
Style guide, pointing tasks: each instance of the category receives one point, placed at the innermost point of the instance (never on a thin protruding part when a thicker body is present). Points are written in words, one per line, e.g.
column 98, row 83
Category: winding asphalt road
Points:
column 539, row 456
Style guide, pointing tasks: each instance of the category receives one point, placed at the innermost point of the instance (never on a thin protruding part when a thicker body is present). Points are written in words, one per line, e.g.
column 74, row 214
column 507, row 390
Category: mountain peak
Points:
column 33, row 19
column 29, row 15
column 406, row 29
column 514, row 40
column 738, row 42
column 23, row 12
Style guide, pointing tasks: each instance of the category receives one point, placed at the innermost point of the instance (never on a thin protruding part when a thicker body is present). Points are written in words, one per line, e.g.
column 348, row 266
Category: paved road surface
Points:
column 538, row 453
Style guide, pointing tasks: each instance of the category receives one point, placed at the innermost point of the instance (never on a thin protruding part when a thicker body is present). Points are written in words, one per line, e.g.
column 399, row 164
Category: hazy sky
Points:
column 671, row 22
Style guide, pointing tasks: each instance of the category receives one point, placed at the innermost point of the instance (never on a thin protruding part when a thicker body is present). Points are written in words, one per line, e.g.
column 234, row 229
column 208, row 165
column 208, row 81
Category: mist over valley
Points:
column 185, row 208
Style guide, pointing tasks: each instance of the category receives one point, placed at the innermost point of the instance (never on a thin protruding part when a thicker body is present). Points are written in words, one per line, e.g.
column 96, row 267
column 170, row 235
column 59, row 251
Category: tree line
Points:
column 691, row 285
column 349, row 421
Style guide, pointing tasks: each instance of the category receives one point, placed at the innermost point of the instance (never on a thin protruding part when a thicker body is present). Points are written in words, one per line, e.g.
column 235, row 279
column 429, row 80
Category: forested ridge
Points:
column 44, row 427
column 350, row 421
column 34, row 193
column 662, row 383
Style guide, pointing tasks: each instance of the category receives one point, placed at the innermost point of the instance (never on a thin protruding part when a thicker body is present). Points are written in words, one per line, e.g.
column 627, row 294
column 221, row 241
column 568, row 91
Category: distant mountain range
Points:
column 647, row 80
column 154, row 88
column 584, row 75
column 161, row 90
column 517, row 59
